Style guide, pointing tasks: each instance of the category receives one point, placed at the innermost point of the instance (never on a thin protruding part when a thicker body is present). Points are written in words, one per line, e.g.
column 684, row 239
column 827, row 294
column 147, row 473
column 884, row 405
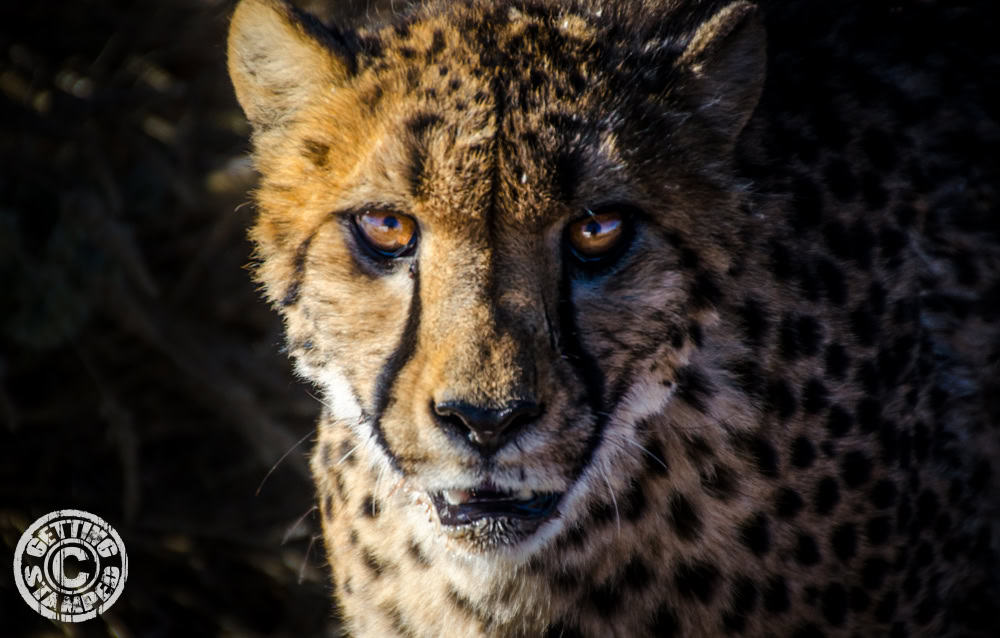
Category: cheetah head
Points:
column 495, row 276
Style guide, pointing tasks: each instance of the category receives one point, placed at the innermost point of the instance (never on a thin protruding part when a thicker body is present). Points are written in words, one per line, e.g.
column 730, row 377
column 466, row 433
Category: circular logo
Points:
column 70, row 565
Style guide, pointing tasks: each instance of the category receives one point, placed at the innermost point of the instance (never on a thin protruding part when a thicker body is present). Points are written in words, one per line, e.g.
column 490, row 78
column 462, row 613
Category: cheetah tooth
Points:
column 457, row 497
column 525, row 495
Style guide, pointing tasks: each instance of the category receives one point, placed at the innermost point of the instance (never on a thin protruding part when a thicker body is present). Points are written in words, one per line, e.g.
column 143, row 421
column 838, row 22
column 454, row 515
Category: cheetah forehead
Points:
column 535, row 106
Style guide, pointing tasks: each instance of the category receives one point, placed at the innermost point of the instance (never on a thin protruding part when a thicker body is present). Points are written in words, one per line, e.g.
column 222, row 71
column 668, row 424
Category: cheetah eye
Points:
column 596, row 236
column 387, row 233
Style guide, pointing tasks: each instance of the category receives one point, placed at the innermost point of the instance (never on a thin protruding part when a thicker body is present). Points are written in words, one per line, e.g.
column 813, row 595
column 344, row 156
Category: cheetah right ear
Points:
column 726, row 61
column 281, row 58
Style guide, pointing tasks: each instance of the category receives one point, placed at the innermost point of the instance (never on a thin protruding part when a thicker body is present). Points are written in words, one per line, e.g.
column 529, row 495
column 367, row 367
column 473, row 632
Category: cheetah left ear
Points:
column 281, row 58
column 726, row 62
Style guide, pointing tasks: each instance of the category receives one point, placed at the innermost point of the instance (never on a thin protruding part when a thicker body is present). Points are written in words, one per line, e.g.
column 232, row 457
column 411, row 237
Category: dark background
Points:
column 141, row 375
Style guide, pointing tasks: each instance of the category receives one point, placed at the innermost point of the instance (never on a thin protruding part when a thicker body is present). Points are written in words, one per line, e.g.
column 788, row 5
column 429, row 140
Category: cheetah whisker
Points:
column 347, row 455
column 647, row 452
column 296, row 524
column 305, row 558
column 614, row 501
column 278, row 462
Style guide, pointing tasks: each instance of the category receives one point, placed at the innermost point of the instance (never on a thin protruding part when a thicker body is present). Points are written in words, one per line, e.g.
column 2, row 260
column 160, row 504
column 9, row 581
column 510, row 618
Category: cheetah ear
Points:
column 725, row 62
column 281, row 58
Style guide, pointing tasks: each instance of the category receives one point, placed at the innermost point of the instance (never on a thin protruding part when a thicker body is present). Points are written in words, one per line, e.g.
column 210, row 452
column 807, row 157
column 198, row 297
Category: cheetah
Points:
column 661, row 318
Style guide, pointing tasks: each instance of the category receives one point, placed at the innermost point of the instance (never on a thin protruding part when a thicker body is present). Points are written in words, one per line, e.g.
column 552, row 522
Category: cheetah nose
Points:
column 487, row 428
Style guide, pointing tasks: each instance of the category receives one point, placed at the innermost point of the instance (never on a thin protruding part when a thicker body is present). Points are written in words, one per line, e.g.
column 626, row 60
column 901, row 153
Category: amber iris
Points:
column 596, row 235
column 388, row 233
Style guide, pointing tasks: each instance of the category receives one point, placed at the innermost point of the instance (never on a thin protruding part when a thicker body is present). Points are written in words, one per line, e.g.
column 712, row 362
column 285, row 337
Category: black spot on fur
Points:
column 864, row 325
column 437, row 44
column 776, row 595
column 885, row 611
column 814, row 396
column 414, row 551
column 698, row 449
column 834, row 604
column 633, row 503
column 765, row 456
column 606, row 597
column 781, row 399
column 806, row 550
column 754, row 534
column 787, row 503
column 883, row 494
column 346, row 452
column 705, row 291
column 372, row 562
column 398, row 622
column 781, row 261
column 460, row 602
column 719, row 481
column 927, row 509
column 753, row 318
column 827, row 495
column 855, row 468
column 684, row 518
column 664, row 622
column 873, row 573
column 636, row 574
column 808, row 630
column 810, row 336
column 832, row 279
column 789, row 338
column 370, row 507
column 868, row 414
column 980, row 476
column 743, row 600
column 844, row 541
column 748, row 376
column 654, row 459
column 316, row 152
column 837, row 361
column 697, row 580
column 696, row 334
column 693, row 387
column 802, row 453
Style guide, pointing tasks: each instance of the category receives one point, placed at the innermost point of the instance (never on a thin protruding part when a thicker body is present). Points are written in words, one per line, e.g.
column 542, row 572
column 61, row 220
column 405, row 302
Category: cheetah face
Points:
column 487, row 270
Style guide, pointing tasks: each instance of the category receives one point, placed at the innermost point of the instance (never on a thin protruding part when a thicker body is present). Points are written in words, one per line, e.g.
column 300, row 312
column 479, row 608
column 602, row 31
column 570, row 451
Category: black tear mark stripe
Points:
column 291, row 296
column 387, row 376
column 586, row 368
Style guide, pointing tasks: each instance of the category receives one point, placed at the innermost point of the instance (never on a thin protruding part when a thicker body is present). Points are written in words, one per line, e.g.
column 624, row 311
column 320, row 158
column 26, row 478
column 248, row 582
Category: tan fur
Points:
column 691, row 392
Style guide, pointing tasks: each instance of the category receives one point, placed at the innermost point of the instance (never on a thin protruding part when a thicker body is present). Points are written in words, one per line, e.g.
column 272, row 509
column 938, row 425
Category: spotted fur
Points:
column 774, row 414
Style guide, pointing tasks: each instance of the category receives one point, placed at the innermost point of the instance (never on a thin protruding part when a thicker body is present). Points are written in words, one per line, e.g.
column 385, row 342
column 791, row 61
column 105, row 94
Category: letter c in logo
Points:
column 57, row 567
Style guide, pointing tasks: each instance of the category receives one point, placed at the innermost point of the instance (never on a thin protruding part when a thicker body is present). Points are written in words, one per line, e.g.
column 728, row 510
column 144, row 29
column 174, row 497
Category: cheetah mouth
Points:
column 463, row 507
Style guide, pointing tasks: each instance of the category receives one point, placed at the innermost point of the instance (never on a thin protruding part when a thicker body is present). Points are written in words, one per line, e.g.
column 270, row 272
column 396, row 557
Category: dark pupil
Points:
column 391, row 222
column 592, row 228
